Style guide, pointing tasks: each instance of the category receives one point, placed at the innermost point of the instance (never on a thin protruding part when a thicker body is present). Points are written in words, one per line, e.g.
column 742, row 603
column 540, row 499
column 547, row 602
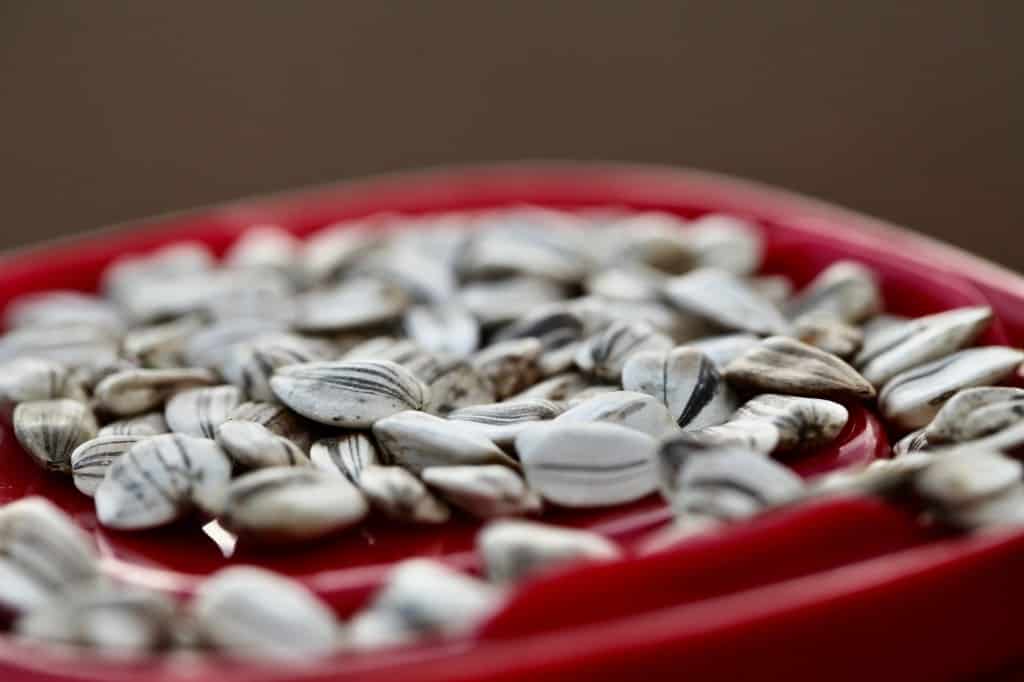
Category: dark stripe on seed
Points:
column 292, row 478
column 915, row 375
column 604, row 468
column 704, row 391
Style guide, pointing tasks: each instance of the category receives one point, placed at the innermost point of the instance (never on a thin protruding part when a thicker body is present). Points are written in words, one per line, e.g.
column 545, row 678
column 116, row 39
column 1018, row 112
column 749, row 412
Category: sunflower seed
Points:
column 484, row 491
column 119, row 622
column 966, row 475
column 911, row 399
column 912, row 442
column 333, row 250
column 43, row 554
column 590, row 464
column 133, row 391
column 759, row 435
column 502, row 422
column 974, row 413
column 353, row 304
column 505, row 300
column 429, row 597
column 348, row 455
column 91, row 459
column 62, row 308
column 50, row 430
column 774, row 288
column 725, row 348
column 253, row 446
column 73, row 346
column 845, row 290
column 633, row 282
column 199, row 411
column 730, row 484
column 151, row 424
column 290, row 504
column 726, row 300
column 883, row 477
column 254, row 613
column 557, row 388
column 161, row 299
column 375, row 630
column 278, row 419
column 686, row 381
column 920, row 341
column 161, row 346
column 453, row 384
column 605, row 354
column 650, row 239
column 264, row 247
column 830, row 335
column 997, row 511
column 782, row 365
column 510, row 366
column 517, row 244
column 249, row 366
column 160, row 480
column 637, row 411
column 443, row 328
column 398, row 494
column 553, row 326
column 131, row 273
column 803, row 423
column 514, row 549
column 417, row 440
column 350, row 394
column 422, row 278
column 726, row 242
column 211, row 346
column 27, row 379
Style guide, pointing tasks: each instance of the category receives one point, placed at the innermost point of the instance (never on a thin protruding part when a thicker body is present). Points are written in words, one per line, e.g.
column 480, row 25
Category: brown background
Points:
column 912, row 111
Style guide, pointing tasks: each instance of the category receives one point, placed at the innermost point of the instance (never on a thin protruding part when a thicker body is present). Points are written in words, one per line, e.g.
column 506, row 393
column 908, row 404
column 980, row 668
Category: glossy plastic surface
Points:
column 791, row 588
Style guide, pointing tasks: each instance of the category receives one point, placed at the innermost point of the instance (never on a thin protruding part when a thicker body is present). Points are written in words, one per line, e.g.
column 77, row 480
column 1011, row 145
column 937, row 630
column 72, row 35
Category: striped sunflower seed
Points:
column 350, row 394
column 134, row 391
column 502, row 422
column 50, row 430
column 278, row 419
column 605, row 354
column 686, row 381
column 637, row 411
column 726, row 300
column 348, row 455
column 290, row 504
column 417, row 440
column 249, row 366
column 485, row 491
column 514, row 549
column 91, row 460
column 51, row 309
column 254, row 446
column 726, row 242
column 845, row 290
column 399, row 495
column 510, row 366
column 160, row 480
column 199, row 411
column 27, row 379
column 446, row 328
column 150, row 424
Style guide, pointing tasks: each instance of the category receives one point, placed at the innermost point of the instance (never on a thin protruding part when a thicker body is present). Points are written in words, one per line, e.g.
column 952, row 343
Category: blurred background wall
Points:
column 912, row 111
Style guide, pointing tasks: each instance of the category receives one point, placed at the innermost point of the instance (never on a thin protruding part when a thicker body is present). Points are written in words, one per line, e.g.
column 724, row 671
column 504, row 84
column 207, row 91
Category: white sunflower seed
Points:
column 443, row 328
column 920, row 341
column 911, row 399
column 350, row 394
column 398, row 494
column 830, row 335
column 278, row 419
column 135, row 271
column 199, row 411
column 62, row 308
column 250, row 365
column 265, row 247
column 353, row 304
column 632, row 282
column 50, row 430
column 510, row 366
column 803, row 423
column 651, row 239
column 730, row 484
column 726, row 242
column 557, row 388
column 133, row 391
column 966, row 475
column 160, row 480
column 254, row 613
column 845, row 290
column 997, row 511
column 151, row 424
column 637, row 411
column 783, row 365
column 73, row 346
column 524, row 242
column 505, row 300
column 161, row 346
column 43, row 554
column 348, row 455
column 759, row 435
column 974, row 413
column 686, row 381
column 27, row 379
column 91, row 459
column 107, row 621
column 589, row 464
column 333, row 250
column 211, row 346
column 485, row 491
column 883, row 477
column 775, row 288
column 254, row 446
column 422, row 278
column 429, row 597
column 726, row 300
column 417, row 440
column 502, row 422
column 290, row 504
column 375, row 630
column 605, row 354
column 514, row 549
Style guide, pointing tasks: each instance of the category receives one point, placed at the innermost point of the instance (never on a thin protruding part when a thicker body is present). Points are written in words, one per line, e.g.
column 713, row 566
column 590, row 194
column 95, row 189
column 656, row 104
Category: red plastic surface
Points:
column 804, row 593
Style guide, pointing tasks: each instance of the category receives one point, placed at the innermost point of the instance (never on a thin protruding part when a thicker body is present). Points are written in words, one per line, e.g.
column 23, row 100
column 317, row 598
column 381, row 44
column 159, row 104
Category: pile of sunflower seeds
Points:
column 493, row 364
